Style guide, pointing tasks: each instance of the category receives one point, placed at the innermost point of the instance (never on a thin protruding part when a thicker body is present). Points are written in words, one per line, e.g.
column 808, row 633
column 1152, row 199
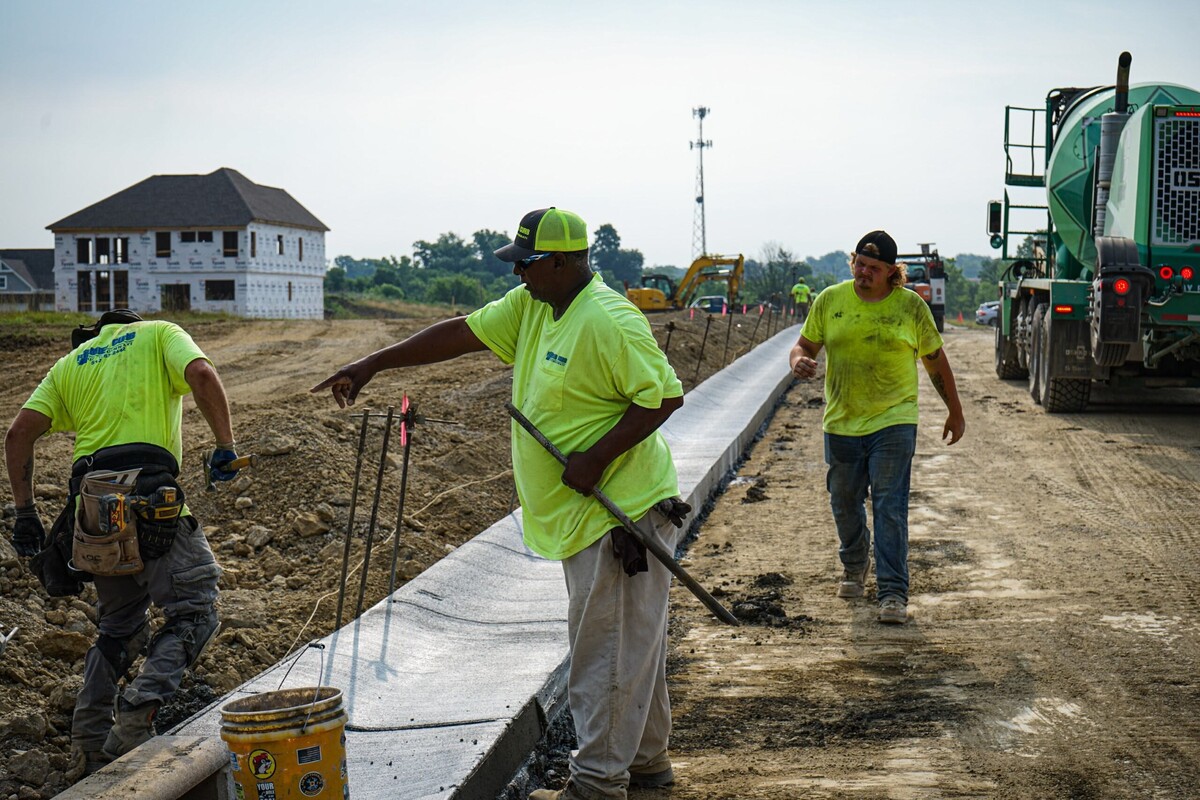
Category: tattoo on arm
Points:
column 27, row 470
column 934, row 355
column 940, row 385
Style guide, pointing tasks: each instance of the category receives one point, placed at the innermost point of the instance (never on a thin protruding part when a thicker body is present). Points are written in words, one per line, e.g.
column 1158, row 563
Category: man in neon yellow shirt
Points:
column 873, row 332
column 588, row 373
column 801, row 293
column 121, row 390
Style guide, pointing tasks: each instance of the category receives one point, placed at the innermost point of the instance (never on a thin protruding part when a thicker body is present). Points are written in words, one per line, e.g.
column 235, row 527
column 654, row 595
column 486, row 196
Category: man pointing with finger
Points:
column 588, row 373
column 873, row 332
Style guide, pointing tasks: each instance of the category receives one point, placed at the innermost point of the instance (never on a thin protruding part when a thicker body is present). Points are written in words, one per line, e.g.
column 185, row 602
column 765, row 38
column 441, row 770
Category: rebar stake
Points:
column 383, row 452
column 362, row 442
column 704, row 341
column 408, row 414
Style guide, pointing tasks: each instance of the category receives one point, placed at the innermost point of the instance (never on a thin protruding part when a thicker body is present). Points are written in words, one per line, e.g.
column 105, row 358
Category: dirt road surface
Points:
column 1055, row 593
column 1053, row 648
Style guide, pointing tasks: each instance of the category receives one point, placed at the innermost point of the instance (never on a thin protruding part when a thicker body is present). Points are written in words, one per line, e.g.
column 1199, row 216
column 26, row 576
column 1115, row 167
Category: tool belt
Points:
column 106, row 534
column 157, row 468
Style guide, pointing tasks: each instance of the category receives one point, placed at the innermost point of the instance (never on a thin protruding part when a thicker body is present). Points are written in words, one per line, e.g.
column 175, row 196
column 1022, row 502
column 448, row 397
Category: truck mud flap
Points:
column 1070, row 349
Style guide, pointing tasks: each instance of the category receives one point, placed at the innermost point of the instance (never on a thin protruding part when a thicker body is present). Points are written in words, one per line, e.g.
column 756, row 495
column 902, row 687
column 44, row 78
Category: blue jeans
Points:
column 881, row 462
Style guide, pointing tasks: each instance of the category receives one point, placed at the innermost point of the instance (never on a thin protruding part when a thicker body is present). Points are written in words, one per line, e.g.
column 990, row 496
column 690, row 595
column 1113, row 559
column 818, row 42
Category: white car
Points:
column 988, row 313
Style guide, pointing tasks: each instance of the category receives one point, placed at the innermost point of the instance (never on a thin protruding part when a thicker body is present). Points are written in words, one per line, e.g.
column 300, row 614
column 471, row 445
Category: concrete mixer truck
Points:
column 1106, row 284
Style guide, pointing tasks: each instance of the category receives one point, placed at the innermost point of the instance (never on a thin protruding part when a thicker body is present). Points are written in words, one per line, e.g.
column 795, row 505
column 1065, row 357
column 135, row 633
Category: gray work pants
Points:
column 617, row 683
column 183, row 583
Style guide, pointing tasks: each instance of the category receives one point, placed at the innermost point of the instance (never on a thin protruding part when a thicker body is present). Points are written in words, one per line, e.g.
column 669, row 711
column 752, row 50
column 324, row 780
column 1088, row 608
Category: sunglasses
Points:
column 525, row 263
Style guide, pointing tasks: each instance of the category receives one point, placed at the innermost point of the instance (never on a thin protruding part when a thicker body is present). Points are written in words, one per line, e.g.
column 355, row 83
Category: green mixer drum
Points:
column 1069, row 173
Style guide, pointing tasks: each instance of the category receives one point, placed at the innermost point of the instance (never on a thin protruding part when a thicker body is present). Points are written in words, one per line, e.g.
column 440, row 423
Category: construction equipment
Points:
column 927, row 277
column 657, row 550
column 660, row 293
column 1109, row 286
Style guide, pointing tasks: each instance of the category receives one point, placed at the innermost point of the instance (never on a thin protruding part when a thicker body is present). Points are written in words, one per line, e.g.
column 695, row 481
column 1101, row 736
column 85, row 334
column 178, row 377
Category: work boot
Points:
column 854, row 582
column 651, row 780
column 893, row 611
column 84, row 763
column 568, row 792
column 134, row 725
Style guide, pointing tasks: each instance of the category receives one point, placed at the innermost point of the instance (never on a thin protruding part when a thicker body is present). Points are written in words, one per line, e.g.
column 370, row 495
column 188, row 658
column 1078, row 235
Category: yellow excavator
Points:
column 660, row 293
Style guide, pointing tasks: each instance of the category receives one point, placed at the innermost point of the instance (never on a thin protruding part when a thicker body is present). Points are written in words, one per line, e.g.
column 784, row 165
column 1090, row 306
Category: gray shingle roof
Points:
column 222, row 199
column 38, row 261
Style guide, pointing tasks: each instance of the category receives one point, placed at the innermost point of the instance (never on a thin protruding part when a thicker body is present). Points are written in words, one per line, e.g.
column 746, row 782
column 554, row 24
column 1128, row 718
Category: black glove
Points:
column 674, row 509
column 217, row 463
column 629, row 551
column 28, row 534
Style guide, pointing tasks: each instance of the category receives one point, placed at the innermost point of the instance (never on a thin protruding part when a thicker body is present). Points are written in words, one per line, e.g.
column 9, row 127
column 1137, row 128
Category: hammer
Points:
column 241, row 462
column 660, row 552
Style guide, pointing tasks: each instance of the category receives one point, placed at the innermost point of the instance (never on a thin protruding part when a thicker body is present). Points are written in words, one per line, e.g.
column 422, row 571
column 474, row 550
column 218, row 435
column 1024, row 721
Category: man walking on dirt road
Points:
column 121, row 390
column 873, row 332
column 589, row 374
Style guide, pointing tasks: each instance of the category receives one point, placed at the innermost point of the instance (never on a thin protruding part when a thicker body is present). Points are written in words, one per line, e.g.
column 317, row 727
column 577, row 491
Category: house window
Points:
column 103, row 292
column 289, row 291
column 162, row 244
column 254, row 244
column 102, row 251
column 300, row 244
column 3, row 282
column 187, row 237
column 204, row 236
column 121, row 248
column 120, row 288
column 83, row 248
column 230, row 243
column 83, row 291
column 218, row 290
column 279, row 245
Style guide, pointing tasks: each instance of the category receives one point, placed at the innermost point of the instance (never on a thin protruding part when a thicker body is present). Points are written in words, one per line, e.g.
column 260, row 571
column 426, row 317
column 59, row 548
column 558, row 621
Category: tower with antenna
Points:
column 699, row 237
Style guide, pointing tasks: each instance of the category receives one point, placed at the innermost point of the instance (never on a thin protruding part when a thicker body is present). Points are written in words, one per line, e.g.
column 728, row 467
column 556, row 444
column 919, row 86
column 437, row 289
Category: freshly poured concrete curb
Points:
column 449, row 681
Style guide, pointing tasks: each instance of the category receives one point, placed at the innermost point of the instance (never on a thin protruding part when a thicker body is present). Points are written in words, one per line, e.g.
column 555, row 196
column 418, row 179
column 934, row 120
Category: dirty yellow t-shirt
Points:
column 574, row 378
column 125, row 385
column 871, row 352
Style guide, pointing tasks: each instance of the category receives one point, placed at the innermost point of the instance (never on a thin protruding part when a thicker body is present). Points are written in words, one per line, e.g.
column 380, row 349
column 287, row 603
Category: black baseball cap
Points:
column 546, row 230
column 884, row 243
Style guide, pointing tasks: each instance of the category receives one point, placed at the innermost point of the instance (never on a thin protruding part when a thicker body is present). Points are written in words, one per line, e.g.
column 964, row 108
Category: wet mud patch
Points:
column 879, row 701
column 764, row 608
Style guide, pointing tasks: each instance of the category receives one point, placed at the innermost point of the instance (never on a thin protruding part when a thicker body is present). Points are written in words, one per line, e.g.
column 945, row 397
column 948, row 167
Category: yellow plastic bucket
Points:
column 287, row 744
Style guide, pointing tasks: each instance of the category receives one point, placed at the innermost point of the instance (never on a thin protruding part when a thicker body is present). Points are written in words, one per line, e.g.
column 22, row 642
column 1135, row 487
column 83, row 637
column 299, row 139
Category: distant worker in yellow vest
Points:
column 873, row 332
column 589, row 374
column 801, row 293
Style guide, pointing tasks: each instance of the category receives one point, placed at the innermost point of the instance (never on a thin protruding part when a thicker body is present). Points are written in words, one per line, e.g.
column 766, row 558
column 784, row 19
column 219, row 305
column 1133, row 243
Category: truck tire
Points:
column 1059, row 395
column 1007, row 367
column 1037, row 352
column 939, row 320
column 1110, row 354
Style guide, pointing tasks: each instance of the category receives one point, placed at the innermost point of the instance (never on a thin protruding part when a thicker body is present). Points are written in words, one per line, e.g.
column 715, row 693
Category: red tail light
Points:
column 1165, row 273
column 1121, row 286
column 1063, row 309
column 1187, row 273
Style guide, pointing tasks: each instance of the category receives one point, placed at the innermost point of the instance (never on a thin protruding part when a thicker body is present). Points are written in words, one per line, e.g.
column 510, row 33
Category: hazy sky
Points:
column 398, row 121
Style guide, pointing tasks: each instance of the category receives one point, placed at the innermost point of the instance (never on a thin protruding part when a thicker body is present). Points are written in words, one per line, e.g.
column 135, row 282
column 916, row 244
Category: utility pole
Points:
column 699, row 237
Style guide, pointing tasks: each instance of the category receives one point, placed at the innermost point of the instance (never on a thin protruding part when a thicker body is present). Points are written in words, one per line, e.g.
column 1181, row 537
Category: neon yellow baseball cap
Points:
column 546, row 230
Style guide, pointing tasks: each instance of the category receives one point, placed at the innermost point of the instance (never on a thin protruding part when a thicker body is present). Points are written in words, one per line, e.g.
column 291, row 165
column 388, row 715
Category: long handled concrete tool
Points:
column 660, row 552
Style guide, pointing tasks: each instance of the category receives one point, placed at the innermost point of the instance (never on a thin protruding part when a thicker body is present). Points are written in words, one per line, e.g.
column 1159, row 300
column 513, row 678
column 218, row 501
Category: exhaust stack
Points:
column 1111, row 126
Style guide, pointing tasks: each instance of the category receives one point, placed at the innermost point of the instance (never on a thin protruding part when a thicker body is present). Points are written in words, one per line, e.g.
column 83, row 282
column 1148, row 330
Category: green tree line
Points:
column 464, row 272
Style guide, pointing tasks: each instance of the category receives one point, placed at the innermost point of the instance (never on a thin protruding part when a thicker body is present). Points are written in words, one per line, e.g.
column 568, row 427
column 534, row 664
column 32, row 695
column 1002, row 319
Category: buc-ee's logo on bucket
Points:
column 262, row 764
